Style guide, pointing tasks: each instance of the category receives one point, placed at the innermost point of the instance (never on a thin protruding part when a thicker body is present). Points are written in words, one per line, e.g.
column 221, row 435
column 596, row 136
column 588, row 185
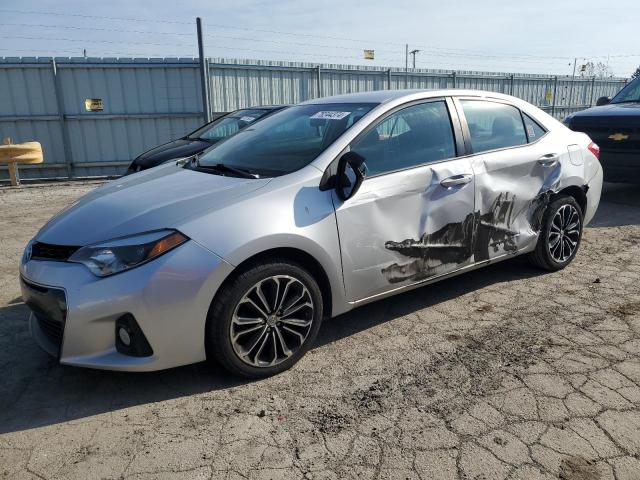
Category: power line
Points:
column 23, row 12
column 222, row 47
column 91, row 29
column 82, row 40
column 430, row 49
column 278, row 32
column 259, row 40
column 160, row 44
column 99, row 54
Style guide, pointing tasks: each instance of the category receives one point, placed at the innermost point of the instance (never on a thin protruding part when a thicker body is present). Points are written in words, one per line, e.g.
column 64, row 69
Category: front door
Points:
column 413, row 217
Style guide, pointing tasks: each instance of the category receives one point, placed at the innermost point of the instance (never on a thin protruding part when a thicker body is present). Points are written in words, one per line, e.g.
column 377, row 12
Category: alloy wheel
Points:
column 564, row 233
column 271, row 321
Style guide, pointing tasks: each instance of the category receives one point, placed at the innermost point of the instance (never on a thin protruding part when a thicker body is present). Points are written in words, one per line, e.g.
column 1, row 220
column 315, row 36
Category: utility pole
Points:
column 413, row 52
column 204, row 74
column 406, row 65
column 573, row 79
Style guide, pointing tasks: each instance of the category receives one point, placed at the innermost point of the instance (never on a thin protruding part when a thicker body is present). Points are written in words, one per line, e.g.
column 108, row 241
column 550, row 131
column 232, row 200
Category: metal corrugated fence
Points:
column 151, row 101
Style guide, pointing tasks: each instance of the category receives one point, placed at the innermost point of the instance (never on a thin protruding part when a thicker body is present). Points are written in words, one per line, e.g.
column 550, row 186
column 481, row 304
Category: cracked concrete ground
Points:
column 505, row 372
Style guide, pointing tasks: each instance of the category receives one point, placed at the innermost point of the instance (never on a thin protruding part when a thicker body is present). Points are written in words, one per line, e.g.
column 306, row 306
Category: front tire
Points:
column 264, row 319
column 560, row 235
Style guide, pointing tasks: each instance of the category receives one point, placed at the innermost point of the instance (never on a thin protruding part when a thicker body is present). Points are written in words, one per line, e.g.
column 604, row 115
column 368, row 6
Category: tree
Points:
column 599, row 70
column 635, row 74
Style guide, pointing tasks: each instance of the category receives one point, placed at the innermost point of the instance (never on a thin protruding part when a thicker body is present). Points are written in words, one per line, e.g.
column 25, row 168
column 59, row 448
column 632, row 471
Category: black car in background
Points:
column 614, row 124
column 202, row 138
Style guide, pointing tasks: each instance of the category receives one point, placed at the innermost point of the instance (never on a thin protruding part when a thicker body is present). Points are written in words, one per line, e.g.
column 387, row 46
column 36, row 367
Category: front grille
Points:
column 52, row 329
column 49, row 306
column 600, row 135
column 47, row 251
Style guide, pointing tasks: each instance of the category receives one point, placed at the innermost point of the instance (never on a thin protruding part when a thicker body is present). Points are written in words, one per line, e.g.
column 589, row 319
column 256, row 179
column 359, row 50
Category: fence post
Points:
column 319, row 74
column 389, row 79
column 209, row 89
column 204, row 74
column 66, row 142
column 593, row 86
column 511, row 84
column 453, row 77
column 555, row 91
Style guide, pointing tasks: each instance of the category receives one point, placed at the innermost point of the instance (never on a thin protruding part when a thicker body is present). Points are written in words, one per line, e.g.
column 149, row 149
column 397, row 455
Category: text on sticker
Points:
column 330, row 115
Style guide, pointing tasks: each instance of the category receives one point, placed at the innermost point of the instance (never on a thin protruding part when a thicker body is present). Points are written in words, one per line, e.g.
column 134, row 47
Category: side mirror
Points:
column 349, row 175
column 603, row 101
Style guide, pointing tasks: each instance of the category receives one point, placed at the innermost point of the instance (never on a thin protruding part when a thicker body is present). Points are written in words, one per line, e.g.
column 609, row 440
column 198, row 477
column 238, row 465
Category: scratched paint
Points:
column 456, row 243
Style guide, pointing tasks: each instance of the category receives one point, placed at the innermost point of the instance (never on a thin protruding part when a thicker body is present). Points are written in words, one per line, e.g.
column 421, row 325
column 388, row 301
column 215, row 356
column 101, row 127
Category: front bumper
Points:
column 169, row 298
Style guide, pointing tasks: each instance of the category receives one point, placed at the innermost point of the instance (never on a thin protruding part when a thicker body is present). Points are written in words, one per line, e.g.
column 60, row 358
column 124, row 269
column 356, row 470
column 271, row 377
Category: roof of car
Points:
column 266, row 107
column 382, row 96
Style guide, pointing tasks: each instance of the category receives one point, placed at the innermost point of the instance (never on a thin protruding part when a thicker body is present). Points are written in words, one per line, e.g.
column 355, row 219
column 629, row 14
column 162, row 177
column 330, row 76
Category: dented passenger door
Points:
column 413, row 216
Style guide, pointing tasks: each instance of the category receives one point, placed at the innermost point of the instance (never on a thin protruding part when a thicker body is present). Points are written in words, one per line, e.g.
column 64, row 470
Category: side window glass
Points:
column 493, row 125
column 534, row 130
column 412, row 136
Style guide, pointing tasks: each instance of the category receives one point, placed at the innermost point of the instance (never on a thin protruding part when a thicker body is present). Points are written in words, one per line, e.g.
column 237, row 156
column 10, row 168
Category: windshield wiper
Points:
column 202, row 139
column 221, row 167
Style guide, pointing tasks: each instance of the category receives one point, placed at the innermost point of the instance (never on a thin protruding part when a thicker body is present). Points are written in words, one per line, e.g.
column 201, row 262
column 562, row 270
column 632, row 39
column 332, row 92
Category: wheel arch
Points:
column 299, row 256
column 579, row 194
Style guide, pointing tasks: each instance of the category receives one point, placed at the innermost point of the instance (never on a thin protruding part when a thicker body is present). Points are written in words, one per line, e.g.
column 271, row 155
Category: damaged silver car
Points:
column 237, row 255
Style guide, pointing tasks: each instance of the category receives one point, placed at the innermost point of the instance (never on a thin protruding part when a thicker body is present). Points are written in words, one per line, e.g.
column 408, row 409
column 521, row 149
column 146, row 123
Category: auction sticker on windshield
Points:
column 330, row 115
column 247, row 119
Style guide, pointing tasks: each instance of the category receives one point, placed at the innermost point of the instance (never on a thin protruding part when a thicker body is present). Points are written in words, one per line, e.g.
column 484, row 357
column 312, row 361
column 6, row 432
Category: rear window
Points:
column 493, row 125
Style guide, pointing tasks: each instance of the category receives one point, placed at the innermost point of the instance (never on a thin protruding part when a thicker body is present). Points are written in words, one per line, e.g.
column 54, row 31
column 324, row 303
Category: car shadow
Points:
column 619, row 206
column 36, row 391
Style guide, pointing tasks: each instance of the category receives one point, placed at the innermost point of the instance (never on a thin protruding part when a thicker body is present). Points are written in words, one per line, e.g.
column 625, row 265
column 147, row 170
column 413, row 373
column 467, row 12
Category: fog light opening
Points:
column 130, row 339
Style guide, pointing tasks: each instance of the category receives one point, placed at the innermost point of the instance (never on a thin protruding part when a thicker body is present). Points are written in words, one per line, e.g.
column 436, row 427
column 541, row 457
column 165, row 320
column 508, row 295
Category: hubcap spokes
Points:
column 271, row 321
column 564, row 233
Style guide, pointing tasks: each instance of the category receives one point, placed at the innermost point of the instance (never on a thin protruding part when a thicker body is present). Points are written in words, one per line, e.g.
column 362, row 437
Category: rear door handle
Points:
column 456, row 180
column 548, row 160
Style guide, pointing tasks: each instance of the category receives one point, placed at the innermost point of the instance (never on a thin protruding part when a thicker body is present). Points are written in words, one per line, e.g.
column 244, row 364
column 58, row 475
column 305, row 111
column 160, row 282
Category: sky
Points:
column 540, row 36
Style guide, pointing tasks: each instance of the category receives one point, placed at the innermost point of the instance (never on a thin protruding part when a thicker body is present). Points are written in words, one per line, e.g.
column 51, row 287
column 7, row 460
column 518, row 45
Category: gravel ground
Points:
column 505, row 372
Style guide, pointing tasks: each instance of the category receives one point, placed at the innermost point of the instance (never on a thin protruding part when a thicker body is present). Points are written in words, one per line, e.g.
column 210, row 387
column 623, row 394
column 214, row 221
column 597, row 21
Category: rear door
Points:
column 413, row 216
column 515, row 164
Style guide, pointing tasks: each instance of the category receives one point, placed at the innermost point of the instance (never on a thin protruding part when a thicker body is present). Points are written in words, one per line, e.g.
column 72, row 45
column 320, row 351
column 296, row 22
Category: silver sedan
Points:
column 236, row 256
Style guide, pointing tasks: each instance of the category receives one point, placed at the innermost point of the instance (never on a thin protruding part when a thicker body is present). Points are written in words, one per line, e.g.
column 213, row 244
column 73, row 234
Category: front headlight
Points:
column 114, row 256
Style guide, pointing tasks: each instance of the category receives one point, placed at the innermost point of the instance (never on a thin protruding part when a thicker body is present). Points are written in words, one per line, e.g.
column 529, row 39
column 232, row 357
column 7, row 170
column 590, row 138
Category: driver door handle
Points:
column 456, row 180
column 548, row 160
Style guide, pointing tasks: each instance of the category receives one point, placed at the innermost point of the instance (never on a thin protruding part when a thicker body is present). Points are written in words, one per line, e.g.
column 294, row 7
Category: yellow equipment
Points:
column 12, row 155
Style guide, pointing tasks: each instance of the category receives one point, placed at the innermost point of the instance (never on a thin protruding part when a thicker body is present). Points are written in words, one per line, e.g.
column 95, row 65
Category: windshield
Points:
column 630, row 93
column 286, row 141
column 228, row 125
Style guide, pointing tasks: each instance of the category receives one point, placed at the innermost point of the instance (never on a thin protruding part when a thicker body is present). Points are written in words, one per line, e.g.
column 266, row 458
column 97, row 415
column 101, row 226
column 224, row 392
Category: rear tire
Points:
column 264, row 319
column 560, row 234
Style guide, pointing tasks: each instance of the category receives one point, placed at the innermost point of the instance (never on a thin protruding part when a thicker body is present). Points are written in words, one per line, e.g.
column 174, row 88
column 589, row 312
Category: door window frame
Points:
column 467, row 133
column 456, row 130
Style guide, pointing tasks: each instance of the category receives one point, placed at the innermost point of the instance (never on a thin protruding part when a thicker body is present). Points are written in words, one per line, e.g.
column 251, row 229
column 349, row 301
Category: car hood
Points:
column 164, row 197
column 175, row 149
column 622, row 111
